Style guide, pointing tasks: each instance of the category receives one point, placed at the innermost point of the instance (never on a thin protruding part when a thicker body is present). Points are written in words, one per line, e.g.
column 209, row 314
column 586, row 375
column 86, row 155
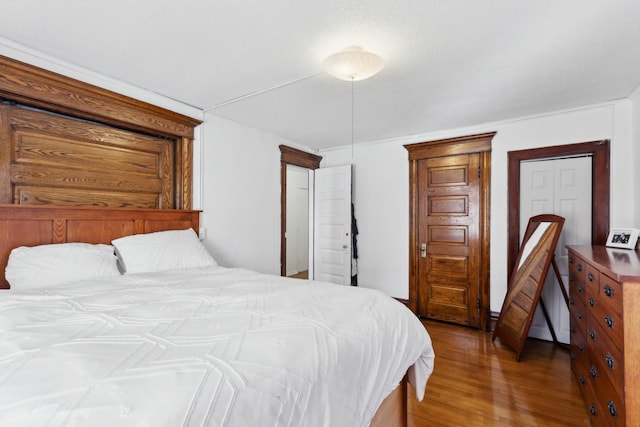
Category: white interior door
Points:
column 332, row 225
column 561, row 187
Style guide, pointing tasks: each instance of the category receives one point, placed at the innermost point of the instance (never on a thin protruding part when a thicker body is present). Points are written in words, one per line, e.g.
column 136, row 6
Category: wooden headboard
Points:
column 79, row 163
column 65, row 142
column 23, row 225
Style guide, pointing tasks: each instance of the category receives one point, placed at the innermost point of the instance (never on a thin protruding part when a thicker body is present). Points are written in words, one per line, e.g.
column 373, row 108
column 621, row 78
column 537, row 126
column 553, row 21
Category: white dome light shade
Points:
column 353, row 64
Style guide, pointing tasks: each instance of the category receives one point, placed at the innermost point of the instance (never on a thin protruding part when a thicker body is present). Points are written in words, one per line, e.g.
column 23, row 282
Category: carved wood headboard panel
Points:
column 24, row 225
column 64, row 142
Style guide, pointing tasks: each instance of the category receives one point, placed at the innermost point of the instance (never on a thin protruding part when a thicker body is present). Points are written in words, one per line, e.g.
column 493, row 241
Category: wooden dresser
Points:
column 604, row 298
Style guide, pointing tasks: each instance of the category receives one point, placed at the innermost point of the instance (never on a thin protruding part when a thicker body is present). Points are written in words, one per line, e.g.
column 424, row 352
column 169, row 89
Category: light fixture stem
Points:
column 352, row 131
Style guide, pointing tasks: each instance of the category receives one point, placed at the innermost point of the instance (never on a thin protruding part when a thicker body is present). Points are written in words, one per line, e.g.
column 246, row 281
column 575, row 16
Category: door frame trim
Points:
column 600, row 190
column 295, row 157
column 481, row 144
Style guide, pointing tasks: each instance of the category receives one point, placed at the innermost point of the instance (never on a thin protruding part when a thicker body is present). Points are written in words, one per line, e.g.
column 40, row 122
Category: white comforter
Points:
column 204, row 347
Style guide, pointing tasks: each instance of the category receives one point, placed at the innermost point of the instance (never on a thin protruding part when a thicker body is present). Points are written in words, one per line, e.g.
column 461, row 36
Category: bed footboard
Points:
column 393, row 410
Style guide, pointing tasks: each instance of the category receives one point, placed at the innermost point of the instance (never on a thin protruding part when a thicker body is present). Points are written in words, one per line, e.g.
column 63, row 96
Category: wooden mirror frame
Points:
column 290, row 156
column 526, row 282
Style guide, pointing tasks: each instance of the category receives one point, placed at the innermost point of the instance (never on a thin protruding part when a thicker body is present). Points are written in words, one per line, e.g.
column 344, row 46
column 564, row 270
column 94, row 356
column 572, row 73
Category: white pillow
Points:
column 49, row 265
column 162, row 250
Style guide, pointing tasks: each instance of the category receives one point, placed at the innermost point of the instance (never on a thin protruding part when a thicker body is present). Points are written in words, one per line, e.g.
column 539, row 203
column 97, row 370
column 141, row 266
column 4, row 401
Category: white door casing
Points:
column 332, row 225
column 561, row 187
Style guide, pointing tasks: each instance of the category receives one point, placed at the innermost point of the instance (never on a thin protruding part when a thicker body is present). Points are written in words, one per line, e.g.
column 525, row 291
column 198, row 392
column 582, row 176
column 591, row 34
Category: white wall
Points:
column 635, row 134
column 381, row 186
column 30, row 56
column 241, row 195
column 381, row 207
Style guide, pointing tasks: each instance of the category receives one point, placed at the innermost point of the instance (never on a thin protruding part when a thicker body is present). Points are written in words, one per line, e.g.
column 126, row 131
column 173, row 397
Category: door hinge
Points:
column 478, row 171
column 478, row 304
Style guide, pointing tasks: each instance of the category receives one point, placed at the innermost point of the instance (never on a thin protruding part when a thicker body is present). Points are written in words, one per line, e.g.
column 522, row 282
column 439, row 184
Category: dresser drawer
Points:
column 607, row 321
column 591, row 280
column 578, row 312
column 580, row 368
column 577, row 291
column 605, row 356
column 578, row 353
column 592, row 401
column 607, row 399
column 577, row 267
column 611, row 295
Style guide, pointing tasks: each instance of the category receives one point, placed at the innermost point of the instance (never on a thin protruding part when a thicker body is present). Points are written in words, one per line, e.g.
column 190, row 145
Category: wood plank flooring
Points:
column 301, row 275
column 477, row 382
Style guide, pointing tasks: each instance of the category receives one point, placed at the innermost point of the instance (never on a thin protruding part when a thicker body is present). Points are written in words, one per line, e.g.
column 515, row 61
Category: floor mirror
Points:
column 532, row 265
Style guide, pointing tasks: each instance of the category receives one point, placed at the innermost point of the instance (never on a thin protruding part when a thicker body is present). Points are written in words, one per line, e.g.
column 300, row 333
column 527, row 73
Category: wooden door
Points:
column 449, row 229
column 448, row 223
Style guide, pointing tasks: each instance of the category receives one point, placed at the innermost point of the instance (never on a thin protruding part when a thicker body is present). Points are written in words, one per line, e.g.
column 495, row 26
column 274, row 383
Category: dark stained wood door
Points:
column 449, row 248
column 448, row 215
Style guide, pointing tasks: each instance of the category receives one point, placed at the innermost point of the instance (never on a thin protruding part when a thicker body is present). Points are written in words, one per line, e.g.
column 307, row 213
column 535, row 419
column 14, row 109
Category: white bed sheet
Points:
column 206, row 346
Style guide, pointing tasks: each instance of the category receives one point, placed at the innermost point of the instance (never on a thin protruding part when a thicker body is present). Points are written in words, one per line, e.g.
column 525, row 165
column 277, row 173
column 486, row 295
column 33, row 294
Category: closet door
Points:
column 561, row 187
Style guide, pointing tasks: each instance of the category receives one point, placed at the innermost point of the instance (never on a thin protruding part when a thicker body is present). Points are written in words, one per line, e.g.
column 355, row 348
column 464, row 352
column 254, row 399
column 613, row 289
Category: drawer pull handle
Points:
column 609, row 359
column 593, row 371
column 571, row 301
column 573, row 356
column 582, row 379
column 579, row 267
column 580, row 315
column 592, row 334
column 592, row 302
column 609, row 321
column 608, row 291
column 581, row 347
column 571, row 278
column 590, row 276
column 580, row 289
column 592, row 410
column 612, row 409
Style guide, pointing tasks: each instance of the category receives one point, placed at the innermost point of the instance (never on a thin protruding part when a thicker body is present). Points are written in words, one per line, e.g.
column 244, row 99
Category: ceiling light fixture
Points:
column 353, row 64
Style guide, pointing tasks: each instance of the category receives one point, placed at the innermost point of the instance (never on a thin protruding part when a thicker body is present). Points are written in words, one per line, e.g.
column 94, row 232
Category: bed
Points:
column 195, row 346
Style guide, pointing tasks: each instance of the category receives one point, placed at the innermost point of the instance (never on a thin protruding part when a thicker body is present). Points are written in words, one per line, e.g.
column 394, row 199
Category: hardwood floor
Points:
column 477, row 382
column 301, row 275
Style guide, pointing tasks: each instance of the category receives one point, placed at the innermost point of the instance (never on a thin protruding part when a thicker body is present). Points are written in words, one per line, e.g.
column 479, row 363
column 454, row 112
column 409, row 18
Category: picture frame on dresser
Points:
column 624, row 238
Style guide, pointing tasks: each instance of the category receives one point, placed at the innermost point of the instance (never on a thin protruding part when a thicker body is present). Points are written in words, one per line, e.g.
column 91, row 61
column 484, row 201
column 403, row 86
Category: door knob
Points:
column 423, row 250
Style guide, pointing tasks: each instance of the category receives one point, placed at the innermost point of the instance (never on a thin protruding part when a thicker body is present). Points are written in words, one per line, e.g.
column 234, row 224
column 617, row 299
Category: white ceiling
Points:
column 449, row 63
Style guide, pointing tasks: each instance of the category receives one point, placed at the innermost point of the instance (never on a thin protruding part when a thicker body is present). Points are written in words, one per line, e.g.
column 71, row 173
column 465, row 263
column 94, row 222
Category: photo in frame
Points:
column 625, row 238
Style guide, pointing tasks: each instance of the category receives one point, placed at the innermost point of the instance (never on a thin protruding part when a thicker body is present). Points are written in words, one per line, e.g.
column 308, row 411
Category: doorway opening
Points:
column 301, row 159
column 297, row 232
